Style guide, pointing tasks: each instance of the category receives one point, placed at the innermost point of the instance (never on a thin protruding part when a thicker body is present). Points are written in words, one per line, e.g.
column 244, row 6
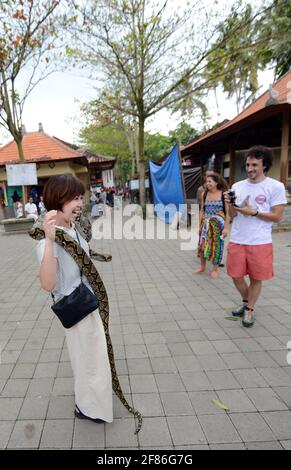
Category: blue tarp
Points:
column 167, row 187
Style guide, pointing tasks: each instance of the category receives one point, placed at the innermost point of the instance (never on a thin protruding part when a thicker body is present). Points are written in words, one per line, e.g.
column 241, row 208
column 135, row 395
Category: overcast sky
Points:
column 55, row 102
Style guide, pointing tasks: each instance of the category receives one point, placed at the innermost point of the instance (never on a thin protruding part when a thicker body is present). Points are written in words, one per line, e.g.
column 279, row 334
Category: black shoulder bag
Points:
column 72, row 308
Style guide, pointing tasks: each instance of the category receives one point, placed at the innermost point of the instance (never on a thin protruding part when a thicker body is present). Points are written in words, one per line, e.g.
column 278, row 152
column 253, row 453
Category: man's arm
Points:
column 276, row 214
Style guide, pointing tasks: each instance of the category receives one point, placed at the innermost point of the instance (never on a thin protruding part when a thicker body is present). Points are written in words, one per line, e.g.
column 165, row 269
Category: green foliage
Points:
column 105, row 141
column 184, row 134
column 156, row 146
column 275, row 30
column 256, row 39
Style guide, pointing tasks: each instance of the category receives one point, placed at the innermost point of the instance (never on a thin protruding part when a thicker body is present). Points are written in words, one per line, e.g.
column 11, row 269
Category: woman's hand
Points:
column 49, row 225
column 224, row 233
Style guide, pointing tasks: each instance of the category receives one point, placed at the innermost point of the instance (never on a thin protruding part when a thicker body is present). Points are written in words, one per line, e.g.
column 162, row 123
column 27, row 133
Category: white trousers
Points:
column 88, row 354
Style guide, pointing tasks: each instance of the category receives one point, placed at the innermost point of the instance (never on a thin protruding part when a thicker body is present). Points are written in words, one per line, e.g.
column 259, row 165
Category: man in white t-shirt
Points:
column 31, row 209
column 259, row 201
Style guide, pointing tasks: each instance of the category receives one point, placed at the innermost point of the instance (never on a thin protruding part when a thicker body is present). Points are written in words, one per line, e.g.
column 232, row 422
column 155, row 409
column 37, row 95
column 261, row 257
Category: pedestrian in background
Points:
column 213, row 224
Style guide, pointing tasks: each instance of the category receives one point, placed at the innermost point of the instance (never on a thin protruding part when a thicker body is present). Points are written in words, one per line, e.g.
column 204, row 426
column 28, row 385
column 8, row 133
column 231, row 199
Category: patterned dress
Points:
column 210, row 243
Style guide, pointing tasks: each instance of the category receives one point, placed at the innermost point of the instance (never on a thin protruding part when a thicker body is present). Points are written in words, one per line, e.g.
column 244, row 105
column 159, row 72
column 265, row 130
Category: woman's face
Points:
column 210, row 183
column 72, row 209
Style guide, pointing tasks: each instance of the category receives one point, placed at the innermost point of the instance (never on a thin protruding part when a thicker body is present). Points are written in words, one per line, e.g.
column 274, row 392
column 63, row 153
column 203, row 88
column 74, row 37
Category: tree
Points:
column 109, row 141
column 28, row 29
column 262, row 39
column 184, row 133
column 275, row 30
column 157, row 53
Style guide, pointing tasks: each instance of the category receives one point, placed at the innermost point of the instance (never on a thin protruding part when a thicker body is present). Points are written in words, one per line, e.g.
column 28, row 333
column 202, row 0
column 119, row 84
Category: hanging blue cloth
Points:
column 167, row 187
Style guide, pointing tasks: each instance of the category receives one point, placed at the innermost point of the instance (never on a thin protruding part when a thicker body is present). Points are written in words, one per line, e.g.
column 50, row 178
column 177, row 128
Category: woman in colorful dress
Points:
column 214, row 224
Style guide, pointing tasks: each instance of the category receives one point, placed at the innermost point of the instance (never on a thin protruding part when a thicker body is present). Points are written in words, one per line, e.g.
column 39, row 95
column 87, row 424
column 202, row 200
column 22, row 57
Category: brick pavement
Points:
column 174, row 349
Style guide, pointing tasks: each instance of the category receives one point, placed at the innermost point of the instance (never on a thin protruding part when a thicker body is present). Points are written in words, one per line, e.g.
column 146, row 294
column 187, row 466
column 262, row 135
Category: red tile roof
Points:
column 282, row 90
column 38, row 146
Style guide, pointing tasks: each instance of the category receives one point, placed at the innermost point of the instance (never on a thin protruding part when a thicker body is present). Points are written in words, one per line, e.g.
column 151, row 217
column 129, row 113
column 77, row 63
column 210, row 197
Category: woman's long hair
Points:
column 221, row 186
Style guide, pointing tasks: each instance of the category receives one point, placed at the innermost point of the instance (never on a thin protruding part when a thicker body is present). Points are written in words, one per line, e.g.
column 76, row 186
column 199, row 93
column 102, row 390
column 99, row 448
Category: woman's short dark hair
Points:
column 61, row 189
column 261, row 153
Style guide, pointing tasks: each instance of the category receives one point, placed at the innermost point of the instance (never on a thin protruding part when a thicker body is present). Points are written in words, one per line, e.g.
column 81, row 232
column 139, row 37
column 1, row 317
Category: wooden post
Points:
column 232, row 164
column 181, row 167
column 183, row 182
column 284, row 149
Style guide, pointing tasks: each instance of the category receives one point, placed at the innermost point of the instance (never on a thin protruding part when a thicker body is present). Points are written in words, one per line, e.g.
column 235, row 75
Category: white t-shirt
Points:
column 31, row 208
column 248, row 230
column 68, row 272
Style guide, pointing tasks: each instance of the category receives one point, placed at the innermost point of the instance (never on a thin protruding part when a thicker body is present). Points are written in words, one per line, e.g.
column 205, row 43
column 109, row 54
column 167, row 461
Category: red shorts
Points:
column 255, row 261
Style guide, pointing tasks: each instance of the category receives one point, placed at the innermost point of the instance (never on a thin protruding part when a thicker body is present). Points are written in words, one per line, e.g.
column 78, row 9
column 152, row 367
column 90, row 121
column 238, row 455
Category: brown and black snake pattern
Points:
column 90, row 271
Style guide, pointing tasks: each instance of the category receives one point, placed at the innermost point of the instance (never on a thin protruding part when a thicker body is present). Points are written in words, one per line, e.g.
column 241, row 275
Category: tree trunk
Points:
column 142, row 192
column 18, row 142
column 20, row 149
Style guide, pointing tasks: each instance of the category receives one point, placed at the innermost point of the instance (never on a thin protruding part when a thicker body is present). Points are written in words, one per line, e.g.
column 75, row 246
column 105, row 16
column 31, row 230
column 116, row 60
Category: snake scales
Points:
column 90, row 271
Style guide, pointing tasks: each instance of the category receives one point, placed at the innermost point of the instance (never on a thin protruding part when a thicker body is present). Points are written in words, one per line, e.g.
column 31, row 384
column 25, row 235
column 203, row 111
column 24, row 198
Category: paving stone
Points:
column 63, row 386
column 5, row 432
column 265, row 399
column 34, row 408
column 212, row 362
column 88, row 435
column 249, row 378
column 225, row 346
column 202, row 403
column 177, row 403
column 5, row 370
column 263, row 445
column 57, row 434
column 50, row 355
column 29, row 356
column 186, row 430
column 227, row 447
column 247, row 345
column 222, row 380
column 46, row 370
column 201, row 348
column 286, row 445
column 40, row 387
column 275, row 377
column 252, row 427
column 236, row 361
column 120, row 434
column 280, row 423
column 236, row 400
column 65, row 370
column 15, row 388
column 187, row 363
column 9, row 408
column 195, row 381
column 143, row 383
column 163, row 365
column 169, row 383
column 149, row 404
column 285, row 395
column 61, row 407
column 260, row 360
column 23, row 371
column 218, row 429
column 26, row 435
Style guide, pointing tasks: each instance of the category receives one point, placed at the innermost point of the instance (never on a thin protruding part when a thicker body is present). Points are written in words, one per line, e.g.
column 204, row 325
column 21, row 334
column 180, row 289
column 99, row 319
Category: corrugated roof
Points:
column 282, row 89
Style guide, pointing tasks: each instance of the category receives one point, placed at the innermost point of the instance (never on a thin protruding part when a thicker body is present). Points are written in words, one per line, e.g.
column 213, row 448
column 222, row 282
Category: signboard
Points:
column 21, row 175
column 134, row 184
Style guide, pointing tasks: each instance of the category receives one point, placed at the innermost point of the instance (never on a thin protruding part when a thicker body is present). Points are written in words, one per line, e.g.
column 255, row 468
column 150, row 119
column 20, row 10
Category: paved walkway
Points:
column 174, row 349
